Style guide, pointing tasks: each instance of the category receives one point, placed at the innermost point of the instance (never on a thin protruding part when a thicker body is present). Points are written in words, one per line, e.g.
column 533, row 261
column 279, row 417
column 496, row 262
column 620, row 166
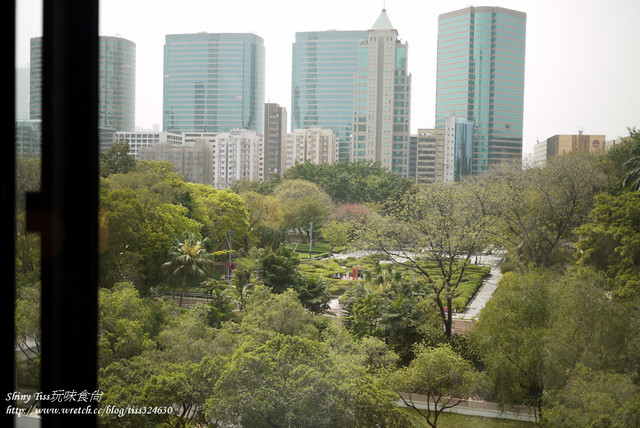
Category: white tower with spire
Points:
column 382, row 99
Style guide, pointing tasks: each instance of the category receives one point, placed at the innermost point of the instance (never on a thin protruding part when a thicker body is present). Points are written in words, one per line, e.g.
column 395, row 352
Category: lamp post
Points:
column 229, row 235
column 310, row 240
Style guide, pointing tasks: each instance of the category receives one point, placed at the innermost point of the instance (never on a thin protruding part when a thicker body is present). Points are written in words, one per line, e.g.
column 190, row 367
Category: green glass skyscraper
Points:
column 480, row 78
column 213, row 82
column 117, row 82
column 324, row 67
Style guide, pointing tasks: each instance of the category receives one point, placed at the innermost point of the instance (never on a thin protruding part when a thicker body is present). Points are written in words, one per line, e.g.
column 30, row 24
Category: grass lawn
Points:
column 333, row 269
column 454, row 420
column 472, row 280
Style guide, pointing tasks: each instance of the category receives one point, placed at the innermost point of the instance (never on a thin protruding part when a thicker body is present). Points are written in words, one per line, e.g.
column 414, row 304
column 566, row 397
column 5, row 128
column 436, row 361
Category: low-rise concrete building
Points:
column 566, row 143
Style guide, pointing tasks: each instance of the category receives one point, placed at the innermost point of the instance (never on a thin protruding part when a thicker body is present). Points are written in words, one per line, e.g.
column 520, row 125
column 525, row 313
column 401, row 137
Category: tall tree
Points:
column 441, row 226
column 219, row 211
column 510, row 337
column 295, row 381
column 117, row 159
column 125, row 323
column 353, row 182
column 438, row 376
column 305, row 206
column 540, row 327
column 541, row 207
column 395, row 309
column 265, row 220
column 594, row 399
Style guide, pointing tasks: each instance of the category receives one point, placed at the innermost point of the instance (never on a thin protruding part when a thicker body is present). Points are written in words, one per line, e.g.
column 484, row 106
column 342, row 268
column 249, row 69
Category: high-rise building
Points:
column 275, row 138
column 237, row 155
column 382, row 99
column 480, row 78
column 213, row 82
column 429, row 155
column 458, row 146
column 116, row 87
column 324, row 68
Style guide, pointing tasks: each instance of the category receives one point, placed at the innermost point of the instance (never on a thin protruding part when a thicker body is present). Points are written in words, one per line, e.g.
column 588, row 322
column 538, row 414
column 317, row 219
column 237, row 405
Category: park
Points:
column 345, row 295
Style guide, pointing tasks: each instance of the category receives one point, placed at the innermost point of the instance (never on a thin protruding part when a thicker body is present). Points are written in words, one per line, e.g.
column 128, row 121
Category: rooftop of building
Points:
column 383, row 22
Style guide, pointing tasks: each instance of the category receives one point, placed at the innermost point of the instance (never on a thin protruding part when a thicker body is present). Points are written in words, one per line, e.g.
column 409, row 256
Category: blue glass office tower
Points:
column 324, row 67
column 480, row 78
column 213, row 82
column 459, row 137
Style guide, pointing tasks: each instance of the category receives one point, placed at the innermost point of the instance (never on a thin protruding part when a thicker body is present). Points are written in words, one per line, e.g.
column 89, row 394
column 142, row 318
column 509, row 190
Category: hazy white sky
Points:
column 582, row 58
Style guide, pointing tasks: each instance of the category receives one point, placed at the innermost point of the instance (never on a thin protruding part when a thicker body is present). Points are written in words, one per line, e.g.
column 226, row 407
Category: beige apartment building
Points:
column 430, row 156
column 315, row 145
column 237, row 155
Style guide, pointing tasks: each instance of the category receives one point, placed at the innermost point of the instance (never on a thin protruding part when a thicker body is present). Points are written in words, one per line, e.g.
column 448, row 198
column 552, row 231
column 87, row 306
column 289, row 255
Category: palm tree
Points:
column 632, row 176
column 386, row 278
column 189, row 257
column 632, row 166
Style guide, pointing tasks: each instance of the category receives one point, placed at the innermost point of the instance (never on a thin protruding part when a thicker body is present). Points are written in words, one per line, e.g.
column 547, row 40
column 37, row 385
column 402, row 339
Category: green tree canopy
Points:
column 125, row 323
column 353, row 182
column 117, row 159
column 540, row 326
column 611, row 242
column 593, row 399
column 265, row 226
column 219, row 211
column 305, row 207
column 540, row 208
column 395, row 309
column 139, row 219
column 277, row 270
column 293, row 381
column 631, row 166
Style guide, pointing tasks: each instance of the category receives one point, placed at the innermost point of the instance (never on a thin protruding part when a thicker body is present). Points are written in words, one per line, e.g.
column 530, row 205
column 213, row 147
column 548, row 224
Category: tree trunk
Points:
column 184, row 286
column 449, row 322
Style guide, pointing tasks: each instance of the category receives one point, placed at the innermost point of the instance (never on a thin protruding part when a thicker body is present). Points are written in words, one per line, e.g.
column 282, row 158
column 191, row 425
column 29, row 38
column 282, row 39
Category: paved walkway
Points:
column 462, row 320
column 486, row 291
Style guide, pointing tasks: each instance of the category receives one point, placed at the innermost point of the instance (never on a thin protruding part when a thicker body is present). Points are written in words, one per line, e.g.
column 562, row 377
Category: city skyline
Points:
column 580, row 62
